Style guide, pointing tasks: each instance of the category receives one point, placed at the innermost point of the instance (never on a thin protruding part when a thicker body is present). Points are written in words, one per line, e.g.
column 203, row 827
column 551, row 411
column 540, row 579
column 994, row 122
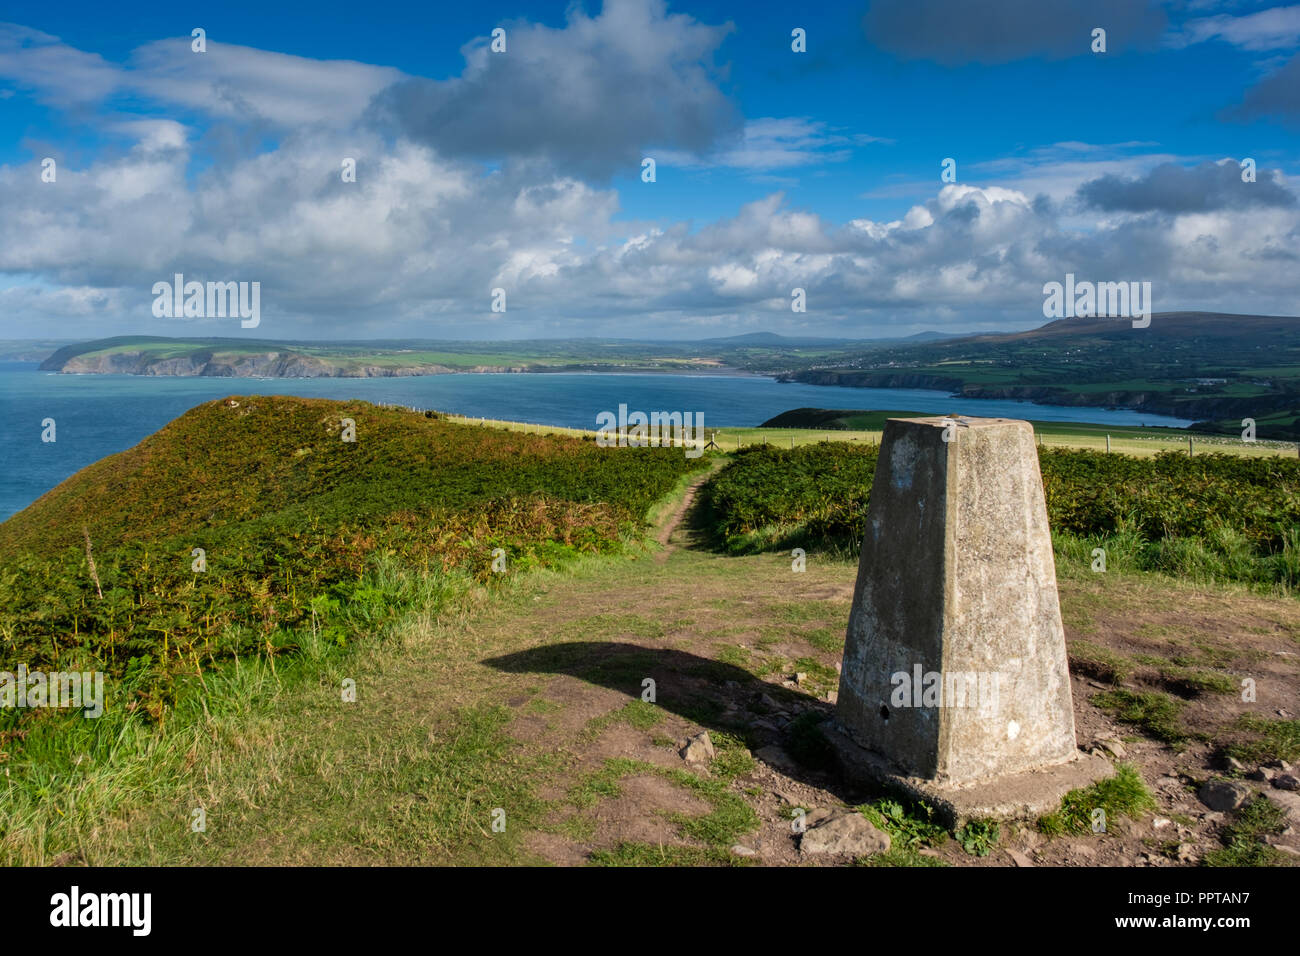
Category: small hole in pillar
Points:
column 884, row 712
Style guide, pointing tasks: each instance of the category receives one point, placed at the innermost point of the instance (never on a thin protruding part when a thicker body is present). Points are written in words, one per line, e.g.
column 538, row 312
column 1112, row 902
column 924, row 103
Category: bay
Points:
column 98, row 415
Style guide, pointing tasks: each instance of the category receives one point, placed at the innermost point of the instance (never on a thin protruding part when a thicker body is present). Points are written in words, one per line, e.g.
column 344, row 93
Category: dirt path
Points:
column 664, row 537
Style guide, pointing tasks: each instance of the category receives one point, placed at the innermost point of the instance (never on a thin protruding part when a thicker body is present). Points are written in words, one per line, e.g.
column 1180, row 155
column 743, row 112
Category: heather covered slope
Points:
column 294, row 522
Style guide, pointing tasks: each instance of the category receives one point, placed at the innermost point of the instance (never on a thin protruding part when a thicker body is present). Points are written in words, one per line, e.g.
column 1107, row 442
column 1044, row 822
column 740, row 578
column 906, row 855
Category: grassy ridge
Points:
column 308, row 538
column 1212, row 516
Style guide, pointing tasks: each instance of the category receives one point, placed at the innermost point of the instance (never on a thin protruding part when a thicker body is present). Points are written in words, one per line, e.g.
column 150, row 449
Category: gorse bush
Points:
column 303, row 533
column 1212, row 517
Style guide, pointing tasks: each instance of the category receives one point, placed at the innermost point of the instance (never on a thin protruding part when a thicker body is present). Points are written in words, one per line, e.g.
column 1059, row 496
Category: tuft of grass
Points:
column 1155, row 713
column 822, row 677
column 590, row 789
column 829, row 639
column 1244, row 836
column 1273, row 739
column 732, row 759
column 639, row 714
column 645, row 854
column 1099, row 663
column 898, row 857
column 1123, row 794
column 1196, row 681
column 730, row 817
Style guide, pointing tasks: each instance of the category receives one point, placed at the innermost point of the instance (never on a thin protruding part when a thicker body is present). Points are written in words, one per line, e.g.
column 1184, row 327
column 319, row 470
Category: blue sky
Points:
column 521, row 170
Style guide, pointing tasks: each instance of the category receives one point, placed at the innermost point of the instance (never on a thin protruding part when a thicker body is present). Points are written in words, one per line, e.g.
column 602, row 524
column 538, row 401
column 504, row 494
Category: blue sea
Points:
column 97, row 415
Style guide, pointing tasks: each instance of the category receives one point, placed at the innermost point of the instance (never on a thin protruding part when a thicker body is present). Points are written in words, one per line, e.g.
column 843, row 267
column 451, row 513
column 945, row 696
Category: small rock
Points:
column 1159, row 823
column 1286, row 714
column 1289, row 850
column 739, row 850
column 774, row 756
column 832, row 696
column 1287, row 781
column 837, row 667
column 1224, row 794
column 1288, row 801
column 1261, row 773
column 927, row 851
column 1234, row 764
column 1111, row 745
column 1186, row 853
column 847, row 833
column 819, row 815
column 1018, row 858
column 698, row 750
column 1279, row 765
column 801, row 678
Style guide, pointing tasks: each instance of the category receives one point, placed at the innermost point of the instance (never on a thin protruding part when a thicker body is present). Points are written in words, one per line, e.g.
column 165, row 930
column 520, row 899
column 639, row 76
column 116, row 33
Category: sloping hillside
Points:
column 293, row 521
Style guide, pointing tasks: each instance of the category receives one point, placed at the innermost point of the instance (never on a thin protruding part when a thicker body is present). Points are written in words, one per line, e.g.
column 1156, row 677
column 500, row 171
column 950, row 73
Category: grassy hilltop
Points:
column 302, row 531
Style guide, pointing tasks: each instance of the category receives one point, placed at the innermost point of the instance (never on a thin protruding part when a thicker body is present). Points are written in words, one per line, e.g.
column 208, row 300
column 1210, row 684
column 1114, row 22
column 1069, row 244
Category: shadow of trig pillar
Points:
column 954, row 686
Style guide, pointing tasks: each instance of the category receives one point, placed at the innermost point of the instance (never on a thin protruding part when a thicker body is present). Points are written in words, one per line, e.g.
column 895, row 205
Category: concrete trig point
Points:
column 954, row 687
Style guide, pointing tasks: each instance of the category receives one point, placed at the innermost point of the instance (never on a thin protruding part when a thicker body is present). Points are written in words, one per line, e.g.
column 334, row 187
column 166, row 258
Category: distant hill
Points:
column 1215, row 369
column 1164, row 325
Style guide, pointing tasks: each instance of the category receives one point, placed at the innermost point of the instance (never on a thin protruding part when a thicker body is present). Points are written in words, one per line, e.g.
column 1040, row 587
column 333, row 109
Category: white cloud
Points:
column 1277, row 28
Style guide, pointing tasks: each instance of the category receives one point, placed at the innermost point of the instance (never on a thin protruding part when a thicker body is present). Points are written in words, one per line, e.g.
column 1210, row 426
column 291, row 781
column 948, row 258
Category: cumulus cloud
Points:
column 588, row 98
column 415, row 245
column 954, row 32
column 1178, row 189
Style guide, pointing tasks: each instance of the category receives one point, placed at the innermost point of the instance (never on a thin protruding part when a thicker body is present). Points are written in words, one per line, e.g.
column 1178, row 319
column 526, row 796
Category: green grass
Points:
column 639, row 714
column 730, row 818
column 1271, row 739
column 1244, row 837
column 1158, row 715
column 644, row 854
column 1123, row 794
column 732, row 758
column 1099, row 662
